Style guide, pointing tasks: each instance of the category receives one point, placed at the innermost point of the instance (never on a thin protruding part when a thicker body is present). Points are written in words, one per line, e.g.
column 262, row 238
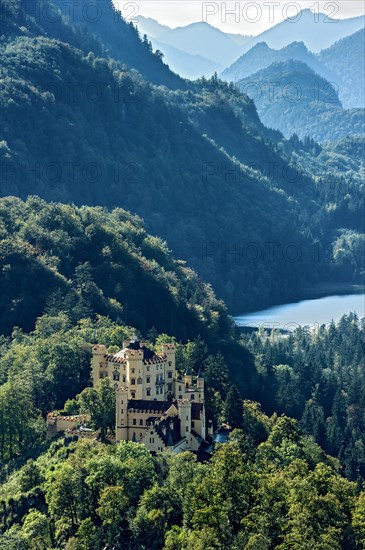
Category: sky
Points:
column 251, row 17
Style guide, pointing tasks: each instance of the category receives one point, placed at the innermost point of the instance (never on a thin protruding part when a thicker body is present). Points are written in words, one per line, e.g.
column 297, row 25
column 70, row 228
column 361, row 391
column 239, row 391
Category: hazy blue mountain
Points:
column 292, row 98
column 182, row 47
column 261, row 56
column 240, row 39
column 186, row 64
column 205, row 40
column 317, row 31
column 345, row 58
column 151, row 27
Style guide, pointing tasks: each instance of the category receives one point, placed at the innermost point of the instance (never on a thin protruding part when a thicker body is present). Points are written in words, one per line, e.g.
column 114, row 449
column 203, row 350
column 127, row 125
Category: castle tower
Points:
column 134, row 372
column 98, row 352
column 188, row 380
column 121, row 424
column 170, row 351
column 184, row 408
column 200, row 381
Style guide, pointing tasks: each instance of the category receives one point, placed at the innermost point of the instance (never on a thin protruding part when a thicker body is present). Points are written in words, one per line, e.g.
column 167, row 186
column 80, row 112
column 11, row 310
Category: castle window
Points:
column 169, row 374
column 192, row 424
column 192, row 397
column 169, row 387
column 148, row 369
column 103, row 375
column 139, row 380
column 170, row 363
column 133, row 381
column 148, row 379
column 141, row 422
column 133, row 370
column 187, row 428
column 180, row 396
column 124, row 378
column 179, row 388
column 134, row 421
column 187, row 418
column 133, row 394
column 148, row 392
column 122, row 422
column 116, row 376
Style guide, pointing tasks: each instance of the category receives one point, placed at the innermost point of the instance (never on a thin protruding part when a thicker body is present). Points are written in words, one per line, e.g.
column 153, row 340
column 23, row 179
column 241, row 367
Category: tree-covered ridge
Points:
column 92, row 26
column 267, row 488
column 88, row 261
column 262, row 56
column 292, row 98
column 346, row 59
column 341, row 65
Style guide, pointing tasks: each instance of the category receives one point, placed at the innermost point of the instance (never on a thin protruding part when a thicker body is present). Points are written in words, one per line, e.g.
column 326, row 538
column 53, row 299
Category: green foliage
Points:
column 87, row 261
column 282, row 492
column 233, row 411
column 318, row 377
column 21, row 427
column 99, row 403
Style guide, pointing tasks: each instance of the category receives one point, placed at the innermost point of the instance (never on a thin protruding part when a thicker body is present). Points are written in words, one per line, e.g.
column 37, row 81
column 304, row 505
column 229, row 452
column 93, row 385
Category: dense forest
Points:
column 195, row 163
column 319, row 378
column 87, row 261
column 269, row 488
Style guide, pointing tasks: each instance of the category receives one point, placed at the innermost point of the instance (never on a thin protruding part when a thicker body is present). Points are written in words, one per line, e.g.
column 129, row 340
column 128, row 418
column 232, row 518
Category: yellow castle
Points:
column 154, row 404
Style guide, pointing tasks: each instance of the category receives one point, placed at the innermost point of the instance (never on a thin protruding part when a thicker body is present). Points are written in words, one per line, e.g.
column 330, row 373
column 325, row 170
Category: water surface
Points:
column 307, row 312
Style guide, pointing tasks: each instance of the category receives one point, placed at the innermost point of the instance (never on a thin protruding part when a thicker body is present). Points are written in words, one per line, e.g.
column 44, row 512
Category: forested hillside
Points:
column 115, row 140
column 292, row 98
column 346, row 59
column 91, row 25
column 83, row 262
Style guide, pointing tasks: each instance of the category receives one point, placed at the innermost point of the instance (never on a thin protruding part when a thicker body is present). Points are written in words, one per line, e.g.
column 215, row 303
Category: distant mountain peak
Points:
column 260, row 46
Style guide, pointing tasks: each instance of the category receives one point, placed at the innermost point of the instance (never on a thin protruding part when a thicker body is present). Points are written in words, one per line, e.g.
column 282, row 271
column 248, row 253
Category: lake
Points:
column 307, row 312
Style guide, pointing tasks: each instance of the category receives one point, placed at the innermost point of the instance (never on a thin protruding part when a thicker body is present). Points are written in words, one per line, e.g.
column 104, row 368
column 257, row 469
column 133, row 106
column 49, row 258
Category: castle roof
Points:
column 169, row 431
